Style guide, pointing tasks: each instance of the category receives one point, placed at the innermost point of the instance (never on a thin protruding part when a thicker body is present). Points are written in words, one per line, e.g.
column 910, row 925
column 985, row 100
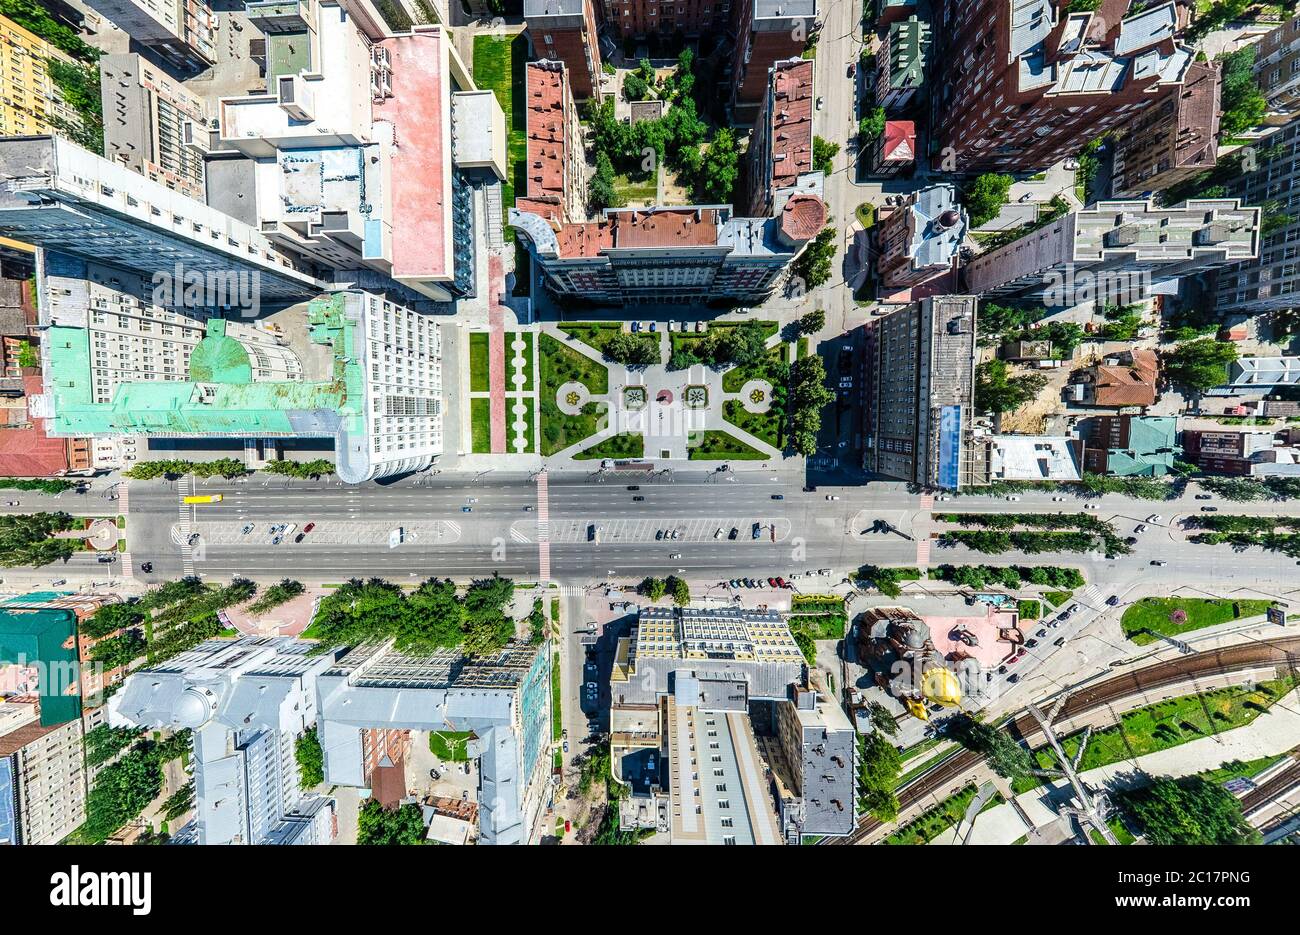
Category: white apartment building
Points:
column 181, row 31
column 42, row 777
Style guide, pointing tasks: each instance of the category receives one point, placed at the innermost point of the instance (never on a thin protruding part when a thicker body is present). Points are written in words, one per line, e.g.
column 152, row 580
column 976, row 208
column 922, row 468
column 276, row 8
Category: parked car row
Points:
column 738, row 583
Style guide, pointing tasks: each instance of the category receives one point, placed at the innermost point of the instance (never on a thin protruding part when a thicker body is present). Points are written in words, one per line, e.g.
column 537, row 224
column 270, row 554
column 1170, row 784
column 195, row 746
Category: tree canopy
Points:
column 1191, row 810
column 986, row 196
column 998, row 390
column 379, row 826
column 1200, row 364
column 813, row 266
column 28, row 539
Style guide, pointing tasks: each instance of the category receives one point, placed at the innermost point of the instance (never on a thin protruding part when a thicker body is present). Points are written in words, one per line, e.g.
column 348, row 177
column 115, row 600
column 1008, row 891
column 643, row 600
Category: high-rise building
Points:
column 42, row 776
column 766, row 32
column 145, row 116
column 901, row 63
column 246, row 701
column 366, row 372
column 181, row 31
column 710, row 715
column 1277, row 70
column 919, row 240
column 58, row 196
column 502, row 698
column 678, row 254
column 1026, row 83
column 918, row 404
column 1118, row 248
column 349, row 125
column 565, row 30
column 637, row 19
column 1247, row 454
column 1271, row 282
column 30, row 99
column 556, row 172
column 1172, row 140
column 781, row 147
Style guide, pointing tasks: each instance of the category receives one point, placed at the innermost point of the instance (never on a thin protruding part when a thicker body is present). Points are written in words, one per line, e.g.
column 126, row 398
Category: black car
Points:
column 1113, row 600
column 633, row 486
column 298, row 538
column 146, row 567
column 637, row 499
column 1209, row 509
column 1002, row 670
column 778, row 496
column 734, row 532
column 1204, row 496
column 1030, row 644
column 1013, row 677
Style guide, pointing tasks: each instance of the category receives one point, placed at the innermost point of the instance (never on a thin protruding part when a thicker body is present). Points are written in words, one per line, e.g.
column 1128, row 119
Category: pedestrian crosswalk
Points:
column 124, row 505
column 543, row 530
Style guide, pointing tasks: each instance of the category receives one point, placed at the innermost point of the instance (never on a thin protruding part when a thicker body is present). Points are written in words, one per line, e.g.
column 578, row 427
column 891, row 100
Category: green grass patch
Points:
column 626, row 445
column 1241, row 769
column 866, row 214
column 928, row 826
column 714, row 445
column 499, row 67
column 1174, row 615
column 478, row 362
column 557, row 716
column 595, row 334
column 480, row 425
column 765, row 426
column 637, row 192
column 1166, row 724
column 1030, row 609
column 559, row 365
column 450, row 745
column 737, row 377
column 1057, row 598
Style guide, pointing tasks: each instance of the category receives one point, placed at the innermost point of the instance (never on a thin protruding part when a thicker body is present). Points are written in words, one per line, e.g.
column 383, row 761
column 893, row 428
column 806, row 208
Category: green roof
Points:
column 1151, row 449
column 220, row 398
column 47, row 637
column 909, row 47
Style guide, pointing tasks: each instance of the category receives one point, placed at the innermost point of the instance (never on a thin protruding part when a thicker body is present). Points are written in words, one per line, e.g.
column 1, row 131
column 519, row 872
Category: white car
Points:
column 1139, row 529
column 831, row 496
column 718, row 534
column 1013, row 497
column 1154, row 518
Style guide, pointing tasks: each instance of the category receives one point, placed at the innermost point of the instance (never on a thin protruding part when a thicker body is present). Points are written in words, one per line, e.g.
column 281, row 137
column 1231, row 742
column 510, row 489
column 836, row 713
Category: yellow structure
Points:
column 30, row 101
column 209, row 498
column 940, row 685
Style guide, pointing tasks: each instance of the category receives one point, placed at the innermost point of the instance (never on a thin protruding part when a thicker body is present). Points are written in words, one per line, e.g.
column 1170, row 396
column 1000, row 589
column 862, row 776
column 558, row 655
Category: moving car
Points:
column 831, row 496
column 674, row 554
column 638, row 498
column 146, row 567
column 633, row 486
column 467, row 509
column 207, row 498
column 1113, row 600
column 778, row 496
column 1204, row 496
column 1156, row 561
column 1209, row 509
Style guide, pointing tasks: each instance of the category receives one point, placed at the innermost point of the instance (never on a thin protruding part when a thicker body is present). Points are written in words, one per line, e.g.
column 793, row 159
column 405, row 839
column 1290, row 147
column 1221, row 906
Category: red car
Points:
column 771, row 582
column 782, row 583
column 1012, row 661
column 309, row 527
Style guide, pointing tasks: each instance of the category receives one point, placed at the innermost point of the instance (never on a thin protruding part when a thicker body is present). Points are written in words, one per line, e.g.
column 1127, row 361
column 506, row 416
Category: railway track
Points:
column 1284, row 652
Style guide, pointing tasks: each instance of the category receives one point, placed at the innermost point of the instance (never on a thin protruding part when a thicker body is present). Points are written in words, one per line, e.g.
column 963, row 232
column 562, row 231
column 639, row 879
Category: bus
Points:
column 208, row 498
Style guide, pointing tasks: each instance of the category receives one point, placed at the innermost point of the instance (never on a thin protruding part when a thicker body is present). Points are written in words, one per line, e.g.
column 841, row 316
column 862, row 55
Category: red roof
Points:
column 802, row 217
column 900, row 141
column 28, row 451
column 791, row 121
column 546, row 153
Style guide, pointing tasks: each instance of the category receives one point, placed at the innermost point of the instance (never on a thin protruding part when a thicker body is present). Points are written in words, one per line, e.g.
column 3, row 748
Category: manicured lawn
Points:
column 478, row 362
column 449, row 745
column 499, row 67
column 1057, row 598
column 480, row 425
column 866, row 214
column 762, row 425
column 737, row 377
column 1030, row 609
column 1167, row 724
column 559, row 365
column 627, row 445
column 637, row 191
column 1241, row 769
column 527, row 338
column 597, row 334
column 719, row 446
column 680, row 339
column 928, row 826
column 557, row 717
column 1157, row 613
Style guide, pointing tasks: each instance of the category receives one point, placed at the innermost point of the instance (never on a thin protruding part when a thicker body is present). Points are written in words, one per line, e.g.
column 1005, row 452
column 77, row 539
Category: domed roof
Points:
column 803, row 217
column 191, row 709
column 940, row 685
column 219, row 358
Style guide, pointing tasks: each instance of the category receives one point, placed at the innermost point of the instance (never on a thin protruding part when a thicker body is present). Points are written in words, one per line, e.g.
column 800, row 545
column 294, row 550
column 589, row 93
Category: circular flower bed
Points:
column 757, row 396
column 1178, row 616
column 572, row 398
column 696, row 397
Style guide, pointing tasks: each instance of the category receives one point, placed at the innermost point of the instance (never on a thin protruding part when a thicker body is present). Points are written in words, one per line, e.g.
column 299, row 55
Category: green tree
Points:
column 824, row 153
column 1242, row 104
column 719, row 169
column 601, row 190
column 111, row 617
column 28, row 539
column 1201, row 364
column 653, row 588
column 120, row 792
column 311, row 759
column 1005, row 756
column 1188, row 811
column 881, row 718
column 812, row 322
column 996, row 390
column 283, row 592
column 120, row 650
column 632, row 349
column 872, row 125
column 986, row 196
column 104, row 742
column 813, row 265
column 179, row 802
column 679, row 589
column 879, row 764
column 377, row 825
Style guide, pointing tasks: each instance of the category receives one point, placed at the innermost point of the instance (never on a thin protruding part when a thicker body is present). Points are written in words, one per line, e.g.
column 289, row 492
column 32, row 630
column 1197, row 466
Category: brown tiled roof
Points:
column 792, row 110
column 545, row 96
column 685, row 227
column 1124, row 386
column 802, row 217
column 588, row 239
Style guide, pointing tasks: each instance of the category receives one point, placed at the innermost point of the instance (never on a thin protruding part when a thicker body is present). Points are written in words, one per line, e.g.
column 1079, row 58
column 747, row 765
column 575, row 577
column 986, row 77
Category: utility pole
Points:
column 1093, row 809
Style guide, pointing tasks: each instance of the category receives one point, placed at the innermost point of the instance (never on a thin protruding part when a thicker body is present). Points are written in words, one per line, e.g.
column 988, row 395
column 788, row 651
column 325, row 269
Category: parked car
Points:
column 771, row 582
column 1059, row 641
column 1073, row 608
column 1209, row 509
column 659, row 534
column 1204, row 496
column 734, row 532
column 718, row 533
column 1013, row 677
column 778, row 496
column 249, row 527
column 1041, row 633
column 1002, row 670
column 309, row 527
column 1140, row 528
column 1031, row 643
column 298, row 538
column 1154, row 518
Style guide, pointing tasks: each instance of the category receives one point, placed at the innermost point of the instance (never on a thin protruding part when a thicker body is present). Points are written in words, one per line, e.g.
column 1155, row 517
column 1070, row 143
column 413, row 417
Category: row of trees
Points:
column 311, row 759
column 744, row 345
column 28, row 539
column 1244, row 490
column 656, row 588
column 996, row 542
column 49, row 485
column 808, row 395
column 280, row 593
column 1010, row 577
column 132, row 778
column 306, row 470
column 176, row 467
column 433, row 616
column 879, row 765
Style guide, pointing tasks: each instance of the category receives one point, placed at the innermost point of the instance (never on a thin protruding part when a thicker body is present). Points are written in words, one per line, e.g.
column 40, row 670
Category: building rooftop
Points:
column 546, row 152
column 900, row 141
column 45, row 640
column 791, row 121
column 1033, row 457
